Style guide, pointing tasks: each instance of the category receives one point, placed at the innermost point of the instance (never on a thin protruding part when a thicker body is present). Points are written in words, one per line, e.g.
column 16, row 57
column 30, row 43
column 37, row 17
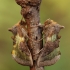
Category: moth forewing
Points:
column 48, row 59
column 48, row 62
column 20, row 53
column 50, row 54
column 23, row 61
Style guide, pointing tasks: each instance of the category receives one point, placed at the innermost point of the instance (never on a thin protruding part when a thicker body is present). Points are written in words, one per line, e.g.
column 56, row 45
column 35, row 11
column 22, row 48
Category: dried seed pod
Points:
column 23, row 3
column 20, row 53
column 50, row 53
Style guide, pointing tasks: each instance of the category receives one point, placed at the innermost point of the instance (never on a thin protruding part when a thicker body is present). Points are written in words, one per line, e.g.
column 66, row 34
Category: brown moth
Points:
column 21, row 52
column 50, row 53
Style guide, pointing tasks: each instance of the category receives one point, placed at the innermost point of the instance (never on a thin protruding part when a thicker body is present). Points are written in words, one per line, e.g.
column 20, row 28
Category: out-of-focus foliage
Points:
column 58, row 10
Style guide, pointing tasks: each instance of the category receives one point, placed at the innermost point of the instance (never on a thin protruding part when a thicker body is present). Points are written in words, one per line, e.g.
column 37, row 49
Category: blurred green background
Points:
column 58, row 10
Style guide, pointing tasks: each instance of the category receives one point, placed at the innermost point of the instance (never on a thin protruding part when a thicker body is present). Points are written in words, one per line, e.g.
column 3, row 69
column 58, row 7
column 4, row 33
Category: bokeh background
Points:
column 58, row 10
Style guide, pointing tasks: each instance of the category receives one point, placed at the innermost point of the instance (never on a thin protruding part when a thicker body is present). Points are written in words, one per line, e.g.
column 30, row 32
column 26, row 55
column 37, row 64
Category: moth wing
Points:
column 48, row 59
column 23, row 62
column 22, row 55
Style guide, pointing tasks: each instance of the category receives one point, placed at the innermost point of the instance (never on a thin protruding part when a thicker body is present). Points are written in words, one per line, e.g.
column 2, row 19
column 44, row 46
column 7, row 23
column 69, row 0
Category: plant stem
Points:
column 30, row 12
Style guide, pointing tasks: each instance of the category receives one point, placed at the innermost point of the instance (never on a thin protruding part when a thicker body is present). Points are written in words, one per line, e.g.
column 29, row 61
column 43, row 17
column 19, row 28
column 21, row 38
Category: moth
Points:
column 50, row 52
column 20, row 53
